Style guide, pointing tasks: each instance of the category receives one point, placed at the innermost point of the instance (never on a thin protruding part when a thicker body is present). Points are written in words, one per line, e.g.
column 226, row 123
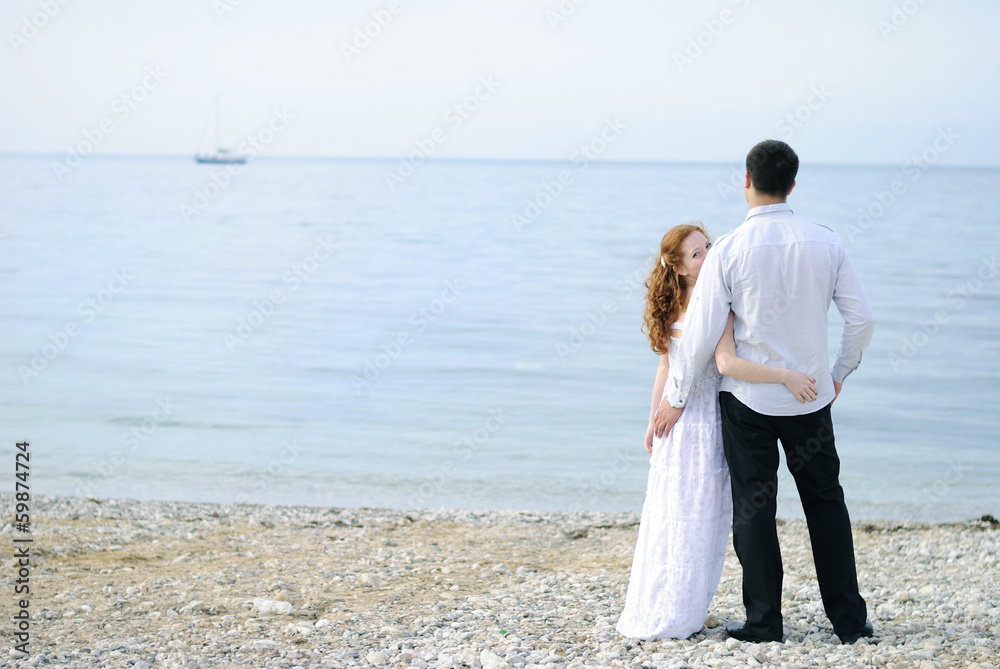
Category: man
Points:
column 778, row 274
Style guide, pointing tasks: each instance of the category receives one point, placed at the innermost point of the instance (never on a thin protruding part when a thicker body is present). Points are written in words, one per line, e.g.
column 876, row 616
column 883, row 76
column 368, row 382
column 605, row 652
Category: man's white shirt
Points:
column 778, row 273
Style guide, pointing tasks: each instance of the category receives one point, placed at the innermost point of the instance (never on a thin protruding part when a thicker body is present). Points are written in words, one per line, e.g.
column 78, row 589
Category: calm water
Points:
column 307, row 335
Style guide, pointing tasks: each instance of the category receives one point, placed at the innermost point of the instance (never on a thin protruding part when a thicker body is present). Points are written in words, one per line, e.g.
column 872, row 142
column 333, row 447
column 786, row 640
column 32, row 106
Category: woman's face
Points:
column 695, row 246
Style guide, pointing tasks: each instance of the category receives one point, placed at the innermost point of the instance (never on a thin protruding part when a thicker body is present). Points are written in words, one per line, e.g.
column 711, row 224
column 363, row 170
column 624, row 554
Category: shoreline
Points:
column 864, row 515
column 122, row 583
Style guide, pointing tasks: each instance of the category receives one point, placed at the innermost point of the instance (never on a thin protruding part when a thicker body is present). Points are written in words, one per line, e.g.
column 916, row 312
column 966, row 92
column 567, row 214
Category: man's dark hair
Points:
column 772, row 166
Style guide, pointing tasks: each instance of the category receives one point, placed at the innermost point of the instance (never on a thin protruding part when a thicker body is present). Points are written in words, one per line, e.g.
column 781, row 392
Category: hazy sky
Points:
column 845, row 81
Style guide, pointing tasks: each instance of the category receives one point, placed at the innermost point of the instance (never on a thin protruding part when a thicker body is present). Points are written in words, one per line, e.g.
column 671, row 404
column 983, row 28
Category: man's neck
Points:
column 758, row 200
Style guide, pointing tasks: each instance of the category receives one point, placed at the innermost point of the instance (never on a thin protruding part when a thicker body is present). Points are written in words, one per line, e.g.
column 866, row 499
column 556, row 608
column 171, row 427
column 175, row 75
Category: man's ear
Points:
column 746, row 181
column 790, row 189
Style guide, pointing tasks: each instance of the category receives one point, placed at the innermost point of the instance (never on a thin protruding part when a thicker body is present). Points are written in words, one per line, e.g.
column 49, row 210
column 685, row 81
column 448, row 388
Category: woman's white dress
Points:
column 685, row 523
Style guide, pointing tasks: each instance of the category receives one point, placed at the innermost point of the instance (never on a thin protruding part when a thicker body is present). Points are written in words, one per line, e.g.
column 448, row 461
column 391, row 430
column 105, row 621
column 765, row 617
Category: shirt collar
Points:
column 769, row 208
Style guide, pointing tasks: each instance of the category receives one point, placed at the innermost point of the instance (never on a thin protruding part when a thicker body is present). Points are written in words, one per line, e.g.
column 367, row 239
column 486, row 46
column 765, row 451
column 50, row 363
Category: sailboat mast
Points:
column 219, row 155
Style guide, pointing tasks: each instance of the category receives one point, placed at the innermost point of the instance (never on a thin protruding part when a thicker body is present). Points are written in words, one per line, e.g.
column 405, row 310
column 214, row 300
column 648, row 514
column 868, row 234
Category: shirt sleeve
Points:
column 707, row 313
column 859, row 321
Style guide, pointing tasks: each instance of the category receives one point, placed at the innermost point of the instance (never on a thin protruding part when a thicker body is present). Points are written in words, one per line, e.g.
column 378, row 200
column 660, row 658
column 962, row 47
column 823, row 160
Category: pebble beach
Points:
column 125, row 583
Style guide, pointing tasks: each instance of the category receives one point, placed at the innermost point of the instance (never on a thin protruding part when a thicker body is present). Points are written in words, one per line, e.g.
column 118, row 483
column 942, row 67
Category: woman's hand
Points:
column 801, row 385
column 649, row 437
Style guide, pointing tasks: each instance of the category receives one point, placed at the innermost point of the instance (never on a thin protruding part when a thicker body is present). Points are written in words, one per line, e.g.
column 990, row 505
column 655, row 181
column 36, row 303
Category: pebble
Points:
column 198, row 586
column 377, row 658
column 272, row 606
column 491, row 660
column 193, row 606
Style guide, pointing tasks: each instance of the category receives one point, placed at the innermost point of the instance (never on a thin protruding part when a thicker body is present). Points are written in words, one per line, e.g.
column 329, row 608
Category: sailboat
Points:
column 219, row 155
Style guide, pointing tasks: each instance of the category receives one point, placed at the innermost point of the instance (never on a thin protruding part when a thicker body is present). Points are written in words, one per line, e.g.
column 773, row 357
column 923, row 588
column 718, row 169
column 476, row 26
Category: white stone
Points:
column 192, row 607
column 372, row 580
column 377, row 658
column 491, row 660
column 272, row 606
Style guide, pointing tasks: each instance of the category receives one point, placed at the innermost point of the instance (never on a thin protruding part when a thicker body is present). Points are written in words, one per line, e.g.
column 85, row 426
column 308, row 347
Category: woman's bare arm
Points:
column 661, row 380
column 801, row 385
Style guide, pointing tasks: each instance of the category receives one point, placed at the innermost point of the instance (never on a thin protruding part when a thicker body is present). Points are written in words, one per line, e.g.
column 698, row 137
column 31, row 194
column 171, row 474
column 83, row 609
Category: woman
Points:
column 687, row 513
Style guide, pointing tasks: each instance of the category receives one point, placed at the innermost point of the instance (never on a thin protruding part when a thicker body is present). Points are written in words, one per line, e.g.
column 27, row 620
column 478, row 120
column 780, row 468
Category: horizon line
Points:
column 178, row 156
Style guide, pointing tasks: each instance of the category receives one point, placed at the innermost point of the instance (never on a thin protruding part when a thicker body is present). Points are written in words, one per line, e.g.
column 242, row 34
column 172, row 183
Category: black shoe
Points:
column 867, row 631
column 740, row 633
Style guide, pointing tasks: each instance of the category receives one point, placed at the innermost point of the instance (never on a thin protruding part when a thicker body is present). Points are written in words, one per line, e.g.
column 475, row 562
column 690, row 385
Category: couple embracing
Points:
column 742, row 335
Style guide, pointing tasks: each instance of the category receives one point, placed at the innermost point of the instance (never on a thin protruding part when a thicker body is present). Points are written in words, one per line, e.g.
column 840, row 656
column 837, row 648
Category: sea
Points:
column 452, row 333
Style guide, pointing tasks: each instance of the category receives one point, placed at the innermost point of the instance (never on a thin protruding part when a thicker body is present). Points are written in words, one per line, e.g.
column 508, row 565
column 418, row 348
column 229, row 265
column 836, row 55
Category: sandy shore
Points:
column 122, row 583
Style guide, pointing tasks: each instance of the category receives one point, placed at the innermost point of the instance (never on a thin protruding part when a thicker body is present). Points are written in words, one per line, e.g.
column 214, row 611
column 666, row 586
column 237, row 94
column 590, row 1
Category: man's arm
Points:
column 859, row 321
column 704, row 323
